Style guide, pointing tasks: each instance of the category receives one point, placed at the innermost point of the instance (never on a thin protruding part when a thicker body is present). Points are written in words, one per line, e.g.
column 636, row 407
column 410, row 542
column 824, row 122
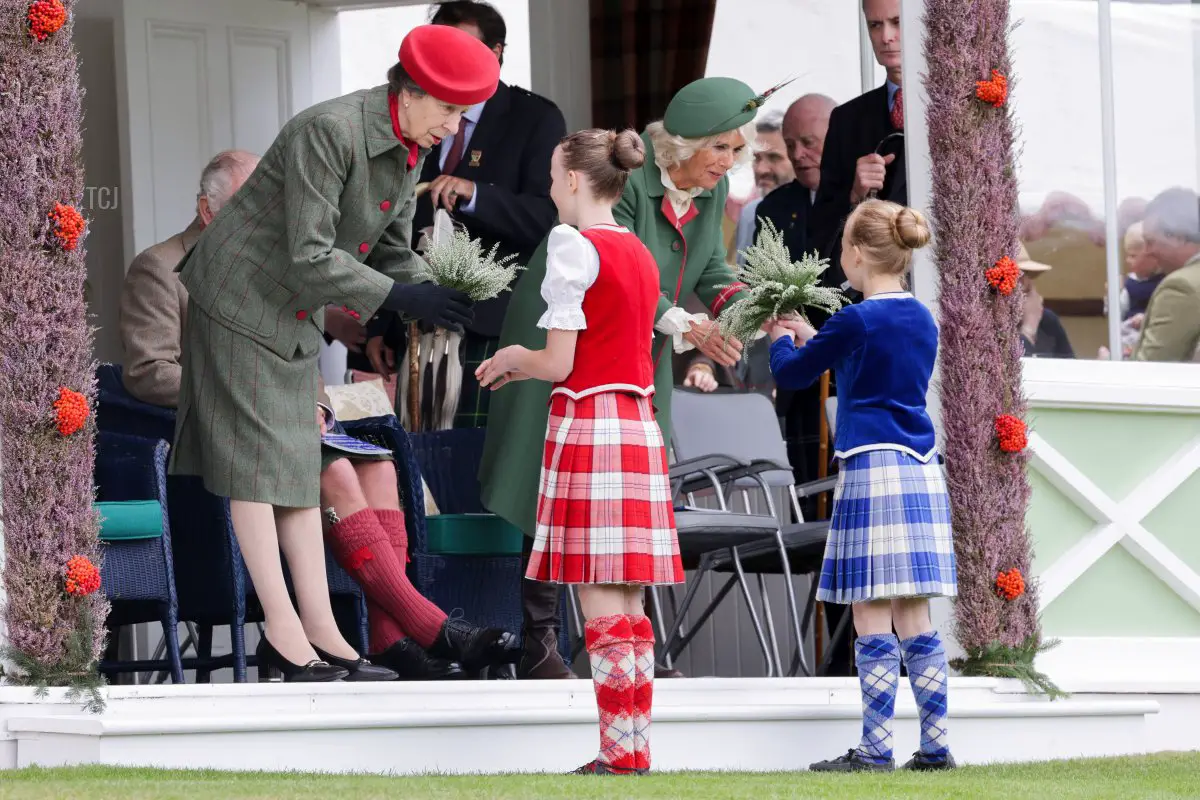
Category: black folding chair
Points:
column 727, row 444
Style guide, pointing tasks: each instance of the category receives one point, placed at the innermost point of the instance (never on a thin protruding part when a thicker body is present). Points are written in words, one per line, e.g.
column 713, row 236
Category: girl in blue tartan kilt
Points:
column 890, row 545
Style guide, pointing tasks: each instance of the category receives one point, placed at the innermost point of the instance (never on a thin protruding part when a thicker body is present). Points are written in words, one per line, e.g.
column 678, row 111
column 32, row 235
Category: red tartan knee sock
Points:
column 643, row 687
column 610, row 652
column 393, row 522
column 363, row 548
column 385, row 631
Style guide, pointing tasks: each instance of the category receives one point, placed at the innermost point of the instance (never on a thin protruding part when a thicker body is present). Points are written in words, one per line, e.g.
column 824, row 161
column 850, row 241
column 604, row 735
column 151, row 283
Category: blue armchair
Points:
column 137, row 574
column 213, row 585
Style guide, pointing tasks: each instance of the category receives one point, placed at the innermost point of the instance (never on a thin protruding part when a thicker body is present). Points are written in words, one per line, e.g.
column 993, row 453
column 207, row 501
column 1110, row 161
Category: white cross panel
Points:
column 1117, row 522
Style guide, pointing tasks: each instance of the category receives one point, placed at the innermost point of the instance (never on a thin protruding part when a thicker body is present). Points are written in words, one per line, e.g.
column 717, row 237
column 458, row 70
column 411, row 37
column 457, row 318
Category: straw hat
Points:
column 1026, row 263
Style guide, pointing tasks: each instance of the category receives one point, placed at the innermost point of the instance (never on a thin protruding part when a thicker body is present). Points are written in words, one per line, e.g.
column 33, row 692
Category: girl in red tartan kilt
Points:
column 605, row 518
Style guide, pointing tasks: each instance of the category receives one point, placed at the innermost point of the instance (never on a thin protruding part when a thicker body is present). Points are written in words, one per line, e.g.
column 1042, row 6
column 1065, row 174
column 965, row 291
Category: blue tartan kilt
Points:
column 890, row 535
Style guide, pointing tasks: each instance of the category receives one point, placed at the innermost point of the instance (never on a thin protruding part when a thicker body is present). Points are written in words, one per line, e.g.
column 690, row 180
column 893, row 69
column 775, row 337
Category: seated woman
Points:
column 360, row 503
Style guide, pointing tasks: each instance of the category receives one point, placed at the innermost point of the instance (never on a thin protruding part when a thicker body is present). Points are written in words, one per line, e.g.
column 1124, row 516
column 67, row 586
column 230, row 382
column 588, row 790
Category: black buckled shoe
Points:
column 923, row 763
column 360, row 669
column 475, row 648
column 411, row 663
column 853, row 761
column 600, row 768
column 274, row 668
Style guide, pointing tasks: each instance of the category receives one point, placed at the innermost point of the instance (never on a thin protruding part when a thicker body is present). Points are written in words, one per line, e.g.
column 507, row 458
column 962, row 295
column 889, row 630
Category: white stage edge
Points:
column 500, row 726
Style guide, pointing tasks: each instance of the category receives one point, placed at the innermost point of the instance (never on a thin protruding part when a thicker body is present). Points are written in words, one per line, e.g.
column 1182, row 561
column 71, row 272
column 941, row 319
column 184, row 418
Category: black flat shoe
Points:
column 854, row 761
column 411, row 663
column 360, row 669
column 600, row 768
column 274, row 668
column 475, row 648
column 923, row 763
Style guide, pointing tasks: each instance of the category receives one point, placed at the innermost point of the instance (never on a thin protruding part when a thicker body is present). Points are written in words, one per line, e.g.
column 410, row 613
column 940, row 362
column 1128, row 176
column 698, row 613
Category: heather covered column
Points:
column 54, row 625
column 974, row 209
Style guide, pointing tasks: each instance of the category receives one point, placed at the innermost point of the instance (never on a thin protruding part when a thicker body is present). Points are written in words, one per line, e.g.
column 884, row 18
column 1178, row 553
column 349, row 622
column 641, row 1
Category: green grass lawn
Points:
column 1161, row 776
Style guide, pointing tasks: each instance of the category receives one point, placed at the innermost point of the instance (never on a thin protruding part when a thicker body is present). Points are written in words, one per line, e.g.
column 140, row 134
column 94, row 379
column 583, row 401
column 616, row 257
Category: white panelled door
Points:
column 200, row 77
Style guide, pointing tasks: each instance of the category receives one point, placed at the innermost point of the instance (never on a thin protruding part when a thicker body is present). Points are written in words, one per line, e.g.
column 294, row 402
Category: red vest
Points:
column 613, row 352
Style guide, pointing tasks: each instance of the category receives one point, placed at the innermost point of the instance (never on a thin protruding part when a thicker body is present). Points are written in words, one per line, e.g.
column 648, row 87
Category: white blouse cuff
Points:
column 675, row 322
column 563, row 318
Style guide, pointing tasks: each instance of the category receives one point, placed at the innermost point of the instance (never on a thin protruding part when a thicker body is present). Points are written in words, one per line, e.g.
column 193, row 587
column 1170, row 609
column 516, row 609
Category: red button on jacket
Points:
column 364, row 248
column 385, row 205
column 302, row 315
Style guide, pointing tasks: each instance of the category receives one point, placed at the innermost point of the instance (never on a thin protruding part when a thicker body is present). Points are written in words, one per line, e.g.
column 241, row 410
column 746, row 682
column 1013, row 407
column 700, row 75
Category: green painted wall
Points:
column 1118, row 596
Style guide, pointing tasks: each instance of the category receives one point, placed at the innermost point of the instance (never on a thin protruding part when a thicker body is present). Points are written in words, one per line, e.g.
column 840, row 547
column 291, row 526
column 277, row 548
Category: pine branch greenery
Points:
column 997, row 660
column 76, row 670
column 776, row 286
column 460, row 262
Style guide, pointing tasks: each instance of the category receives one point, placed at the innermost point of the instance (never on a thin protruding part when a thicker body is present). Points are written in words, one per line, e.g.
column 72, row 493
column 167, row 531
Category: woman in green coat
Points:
column 324, row 219
column 674, row 203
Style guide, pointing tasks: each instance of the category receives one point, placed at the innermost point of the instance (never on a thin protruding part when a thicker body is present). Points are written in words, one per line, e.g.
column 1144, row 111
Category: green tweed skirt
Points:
column 247, row 421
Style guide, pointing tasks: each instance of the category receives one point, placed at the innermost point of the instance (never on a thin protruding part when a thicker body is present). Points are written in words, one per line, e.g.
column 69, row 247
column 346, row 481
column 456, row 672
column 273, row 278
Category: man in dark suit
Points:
column 804, row 129
column 862, row 154
column 494, row 178
column 805, row 126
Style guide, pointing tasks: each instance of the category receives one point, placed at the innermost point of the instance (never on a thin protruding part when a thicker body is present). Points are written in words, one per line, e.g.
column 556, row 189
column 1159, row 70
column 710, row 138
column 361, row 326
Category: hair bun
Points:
column 628, row 152
column 909, row 229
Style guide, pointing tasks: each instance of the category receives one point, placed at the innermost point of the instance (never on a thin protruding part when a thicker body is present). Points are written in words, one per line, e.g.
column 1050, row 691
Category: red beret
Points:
column 450, row 64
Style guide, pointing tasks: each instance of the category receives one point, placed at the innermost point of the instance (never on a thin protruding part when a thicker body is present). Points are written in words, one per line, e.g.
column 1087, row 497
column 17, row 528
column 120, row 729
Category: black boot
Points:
column 410, row 661
column 539, row 653
column 474, row 648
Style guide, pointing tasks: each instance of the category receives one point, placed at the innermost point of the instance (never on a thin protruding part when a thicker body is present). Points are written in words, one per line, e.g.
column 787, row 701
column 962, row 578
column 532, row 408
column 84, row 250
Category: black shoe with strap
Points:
column 923, row 763
column 600, row 768
column 274, row 668
column 853, row 761
column 360, row 669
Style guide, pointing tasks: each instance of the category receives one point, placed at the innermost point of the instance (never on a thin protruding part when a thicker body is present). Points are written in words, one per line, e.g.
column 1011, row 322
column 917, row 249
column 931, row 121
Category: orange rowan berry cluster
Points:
column 994, row 90
column 45, row 18
column 82, row 576
column 1010, row 431
column 68, row 225
column 1003, row 277
column 71, row 411
column 1011, row 584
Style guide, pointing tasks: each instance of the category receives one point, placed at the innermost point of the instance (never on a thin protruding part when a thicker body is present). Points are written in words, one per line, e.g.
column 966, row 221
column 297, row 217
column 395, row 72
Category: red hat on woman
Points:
column 450, row 64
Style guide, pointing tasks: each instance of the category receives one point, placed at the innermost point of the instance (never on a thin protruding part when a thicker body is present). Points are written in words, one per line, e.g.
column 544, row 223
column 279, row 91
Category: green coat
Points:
column 693, row 261
column 325, row 218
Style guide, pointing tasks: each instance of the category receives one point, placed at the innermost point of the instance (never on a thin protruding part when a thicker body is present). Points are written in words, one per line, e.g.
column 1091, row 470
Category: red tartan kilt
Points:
column 604, row 508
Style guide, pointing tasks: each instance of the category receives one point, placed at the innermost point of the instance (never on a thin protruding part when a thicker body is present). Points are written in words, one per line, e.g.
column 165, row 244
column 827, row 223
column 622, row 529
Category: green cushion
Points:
column 132, row 519
column 472, row 535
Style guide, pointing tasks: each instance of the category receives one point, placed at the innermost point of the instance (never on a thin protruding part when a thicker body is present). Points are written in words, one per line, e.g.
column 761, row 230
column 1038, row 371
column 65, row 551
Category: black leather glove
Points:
column 446, row 308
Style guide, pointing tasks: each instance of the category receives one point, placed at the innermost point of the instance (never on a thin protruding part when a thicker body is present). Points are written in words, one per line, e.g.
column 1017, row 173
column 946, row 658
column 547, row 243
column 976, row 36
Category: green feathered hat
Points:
column 711, row 106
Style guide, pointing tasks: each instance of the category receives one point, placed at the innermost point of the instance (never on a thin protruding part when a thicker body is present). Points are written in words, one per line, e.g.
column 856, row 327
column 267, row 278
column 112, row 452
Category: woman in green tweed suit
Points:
column 325, row 218
column 674, row 204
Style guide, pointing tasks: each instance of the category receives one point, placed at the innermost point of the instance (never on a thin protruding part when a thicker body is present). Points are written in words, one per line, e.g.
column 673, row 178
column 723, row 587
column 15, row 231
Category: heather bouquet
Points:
column 776, row 286
column 459, row 262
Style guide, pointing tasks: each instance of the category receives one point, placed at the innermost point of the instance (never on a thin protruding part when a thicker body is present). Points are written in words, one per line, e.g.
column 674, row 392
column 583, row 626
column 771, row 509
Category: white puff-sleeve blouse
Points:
column 572, row 265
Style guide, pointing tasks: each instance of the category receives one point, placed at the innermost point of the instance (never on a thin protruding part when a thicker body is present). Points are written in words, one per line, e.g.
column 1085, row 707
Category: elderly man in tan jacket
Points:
column 153, row 300
column 1171, row 330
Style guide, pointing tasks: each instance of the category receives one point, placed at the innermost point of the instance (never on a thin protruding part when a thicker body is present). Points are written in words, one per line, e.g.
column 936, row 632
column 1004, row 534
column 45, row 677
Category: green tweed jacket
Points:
column 690, row 260
column 325, row 218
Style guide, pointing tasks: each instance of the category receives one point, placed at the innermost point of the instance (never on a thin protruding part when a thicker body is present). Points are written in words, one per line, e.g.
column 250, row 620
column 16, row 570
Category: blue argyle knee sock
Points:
column 926, row 662
column 878, row 660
